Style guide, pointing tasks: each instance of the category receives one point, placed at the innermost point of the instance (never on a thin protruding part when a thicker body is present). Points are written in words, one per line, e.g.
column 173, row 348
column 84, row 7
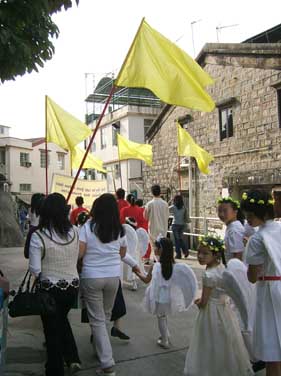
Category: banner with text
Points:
column 88, row 189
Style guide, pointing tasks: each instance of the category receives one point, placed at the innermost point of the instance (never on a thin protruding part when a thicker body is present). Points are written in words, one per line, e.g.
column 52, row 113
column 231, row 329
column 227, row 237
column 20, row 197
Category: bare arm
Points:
column 238, row 255
column 202, row 302
column 82, row 249
column 253, row 273
column 146, row 278
column 122, row 252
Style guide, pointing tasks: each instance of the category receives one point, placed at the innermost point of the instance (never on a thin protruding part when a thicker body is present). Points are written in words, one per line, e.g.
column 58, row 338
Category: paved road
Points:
column 139, row 357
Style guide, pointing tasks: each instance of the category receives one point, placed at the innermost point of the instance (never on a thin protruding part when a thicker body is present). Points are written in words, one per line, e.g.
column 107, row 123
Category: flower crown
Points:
column 227, row 200
column 256, row 201
column 214, row 242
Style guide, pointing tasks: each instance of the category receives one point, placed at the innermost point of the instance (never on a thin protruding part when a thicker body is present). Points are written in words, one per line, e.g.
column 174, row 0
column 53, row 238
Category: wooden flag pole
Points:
column 91, row 141
column 46, row 148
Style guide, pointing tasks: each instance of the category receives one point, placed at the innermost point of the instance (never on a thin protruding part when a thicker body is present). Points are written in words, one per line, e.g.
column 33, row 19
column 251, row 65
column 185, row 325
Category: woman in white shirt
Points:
column 53, row 255
column 102, row 245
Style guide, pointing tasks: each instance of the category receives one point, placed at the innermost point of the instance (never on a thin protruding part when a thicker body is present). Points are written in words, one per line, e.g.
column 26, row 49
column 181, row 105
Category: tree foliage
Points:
column 26, row 32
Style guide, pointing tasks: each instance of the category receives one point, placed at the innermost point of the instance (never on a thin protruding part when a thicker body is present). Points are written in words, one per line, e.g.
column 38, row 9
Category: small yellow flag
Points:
column 155, row 63
column 77, row 155
column 188, row 147
column 63, row 129
column 132, row 150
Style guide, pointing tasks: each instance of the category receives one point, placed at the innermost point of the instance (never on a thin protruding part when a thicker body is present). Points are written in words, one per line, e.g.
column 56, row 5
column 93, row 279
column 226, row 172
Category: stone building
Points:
column 243, row 132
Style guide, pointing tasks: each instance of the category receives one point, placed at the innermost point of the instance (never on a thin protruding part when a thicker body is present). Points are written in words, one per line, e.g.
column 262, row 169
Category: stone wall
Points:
column 250, row 158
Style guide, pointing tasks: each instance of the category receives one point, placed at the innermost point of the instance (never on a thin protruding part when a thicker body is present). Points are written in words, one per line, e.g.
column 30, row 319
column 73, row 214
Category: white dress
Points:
column 173, row 295
column 264, row 248
column 233, row 239
column 217, row 347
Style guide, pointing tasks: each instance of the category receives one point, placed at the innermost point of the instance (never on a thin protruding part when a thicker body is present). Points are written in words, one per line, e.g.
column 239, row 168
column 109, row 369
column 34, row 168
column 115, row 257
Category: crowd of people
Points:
column 83, row 250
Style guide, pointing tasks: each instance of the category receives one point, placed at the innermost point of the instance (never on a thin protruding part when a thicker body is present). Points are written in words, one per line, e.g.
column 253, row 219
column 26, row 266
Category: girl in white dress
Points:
column 217, row 347
column 264, row 259
column 173, row 288
column 230, row 214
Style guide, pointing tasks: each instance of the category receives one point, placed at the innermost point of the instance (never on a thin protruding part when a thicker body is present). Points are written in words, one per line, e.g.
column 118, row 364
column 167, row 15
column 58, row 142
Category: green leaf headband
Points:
column 215, row 243
column 255, row 201
column 227, row 200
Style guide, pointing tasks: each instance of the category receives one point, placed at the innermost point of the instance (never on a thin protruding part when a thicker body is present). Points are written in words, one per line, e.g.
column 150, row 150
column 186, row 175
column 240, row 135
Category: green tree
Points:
column 26, row 32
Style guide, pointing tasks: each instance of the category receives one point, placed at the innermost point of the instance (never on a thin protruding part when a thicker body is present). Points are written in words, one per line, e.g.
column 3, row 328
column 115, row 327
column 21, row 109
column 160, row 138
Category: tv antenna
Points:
column 219, row 28
column 192, row 34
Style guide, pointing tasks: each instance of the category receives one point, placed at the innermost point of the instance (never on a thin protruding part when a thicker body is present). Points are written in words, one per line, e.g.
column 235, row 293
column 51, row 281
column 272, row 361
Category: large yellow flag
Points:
column 188, row 147
column 155, row 63
column 63, row 129
column 132, row 150
column 77, row 155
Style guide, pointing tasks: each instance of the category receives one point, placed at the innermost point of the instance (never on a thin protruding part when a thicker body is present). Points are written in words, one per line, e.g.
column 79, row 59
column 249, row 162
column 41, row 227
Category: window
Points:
column 279, row 105
column 25, row 187
column 226, row 122
column 2, row 130
column 2, row 156
column 24, row 159
column 147, row 124
column 43, row 158
column 116, row 171
column 102, row 138
column 93, row 147
column 61, row 161
column 115, row 131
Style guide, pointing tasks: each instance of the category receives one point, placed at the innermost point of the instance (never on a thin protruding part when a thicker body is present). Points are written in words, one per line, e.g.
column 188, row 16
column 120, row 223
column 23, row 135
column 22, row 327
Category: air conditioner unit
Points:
column 28, row 164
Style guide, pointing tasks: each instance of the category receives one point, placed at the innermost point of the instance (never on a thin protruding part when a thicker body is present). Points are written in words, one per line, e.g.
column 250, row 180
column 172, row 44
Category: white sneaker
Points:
column 134, row 285
column 105, row 372
column 163, row 344
column 74, row 368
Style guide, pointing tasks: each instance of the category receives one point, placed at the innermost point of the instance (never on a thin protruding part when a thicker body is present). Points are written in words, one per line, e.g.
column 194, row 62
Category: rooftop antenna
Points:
column 219, row 28
column 192, row 34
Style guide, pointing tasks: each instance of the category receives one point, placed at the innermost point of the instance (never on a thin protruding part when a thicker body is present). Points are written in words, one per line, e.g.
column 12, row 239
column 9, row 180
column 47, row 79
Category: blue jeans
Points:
column 179, row 242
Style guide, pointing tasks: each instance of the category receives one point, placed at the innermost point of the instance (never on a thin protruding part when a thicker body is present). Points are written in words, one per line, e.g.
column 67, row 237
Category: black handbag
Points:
column 31, row 301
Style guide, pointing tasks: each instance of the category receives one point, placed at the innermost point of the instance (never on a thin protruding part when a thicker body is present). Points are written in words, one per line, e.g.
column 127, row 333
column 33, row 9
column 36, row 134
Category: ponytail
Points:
column 240, row 216
column 166, row 257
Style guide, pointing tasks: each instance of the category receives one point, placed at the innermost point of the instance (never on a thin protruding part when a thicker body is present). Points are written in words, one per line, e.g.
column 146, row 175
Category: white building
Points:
column 22, row 165
column 131, row 113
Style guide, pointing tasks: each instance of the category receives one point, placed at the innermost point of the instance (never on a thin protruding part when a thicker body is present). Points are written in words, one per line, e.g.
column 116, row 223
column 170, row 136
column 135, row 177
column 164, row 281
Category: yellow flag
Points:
column 132, row 150
column 188, row 147
column 155, row 63
column 63, row 129
column 77, row 155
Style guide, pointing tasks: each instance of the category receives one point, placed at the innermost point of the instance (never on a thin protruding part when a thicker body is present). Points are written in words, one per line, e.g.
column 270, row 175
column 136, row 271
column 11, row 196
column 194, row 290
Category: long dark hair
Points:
column 54, row 215
column 105, row 221
column 166, row 257
column 178, row 201
column 36, row 202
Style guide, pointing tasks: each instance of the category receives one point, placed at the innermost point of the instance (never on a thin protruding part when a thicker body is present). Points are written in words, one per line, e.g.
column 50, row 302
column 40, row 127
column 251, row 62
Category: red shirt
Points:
column 143, row 222
column 122, row 204
column 131, row 211
column 75, row 212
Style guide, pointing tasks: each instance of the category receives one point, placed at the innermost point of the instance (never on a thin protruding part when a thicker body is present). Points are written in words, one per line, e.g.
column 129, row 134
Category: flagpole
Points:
column 91, row 141
column 120, row 174
column 179, row 172
column 46, row 147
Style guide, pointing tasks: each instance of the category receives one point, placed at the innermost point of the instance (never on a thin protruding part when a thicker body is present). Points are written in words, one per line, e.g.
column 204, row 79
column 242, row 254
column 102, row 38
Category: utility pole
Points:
column 219, row 28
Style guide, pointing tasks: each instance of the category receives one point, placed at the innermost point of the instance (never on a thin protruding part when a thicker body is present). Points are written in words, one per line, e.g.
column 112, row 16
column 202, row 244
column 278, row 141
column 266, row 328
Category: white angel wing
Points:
column 184, row 278
column 132, row 240
column 241, row 291
column 132, row 243
column 143, row 241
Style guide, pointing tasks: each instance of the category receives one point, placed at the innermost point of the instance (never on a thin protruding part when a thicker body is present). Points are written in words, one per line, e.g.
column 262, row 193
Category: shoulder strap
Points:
column 43, row 243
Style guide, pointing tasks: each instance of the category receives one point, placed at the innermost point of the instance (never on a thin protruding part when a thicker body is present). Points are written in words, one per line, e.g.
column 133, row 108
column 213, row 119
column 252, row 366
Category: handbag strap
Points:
column 23, row 281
